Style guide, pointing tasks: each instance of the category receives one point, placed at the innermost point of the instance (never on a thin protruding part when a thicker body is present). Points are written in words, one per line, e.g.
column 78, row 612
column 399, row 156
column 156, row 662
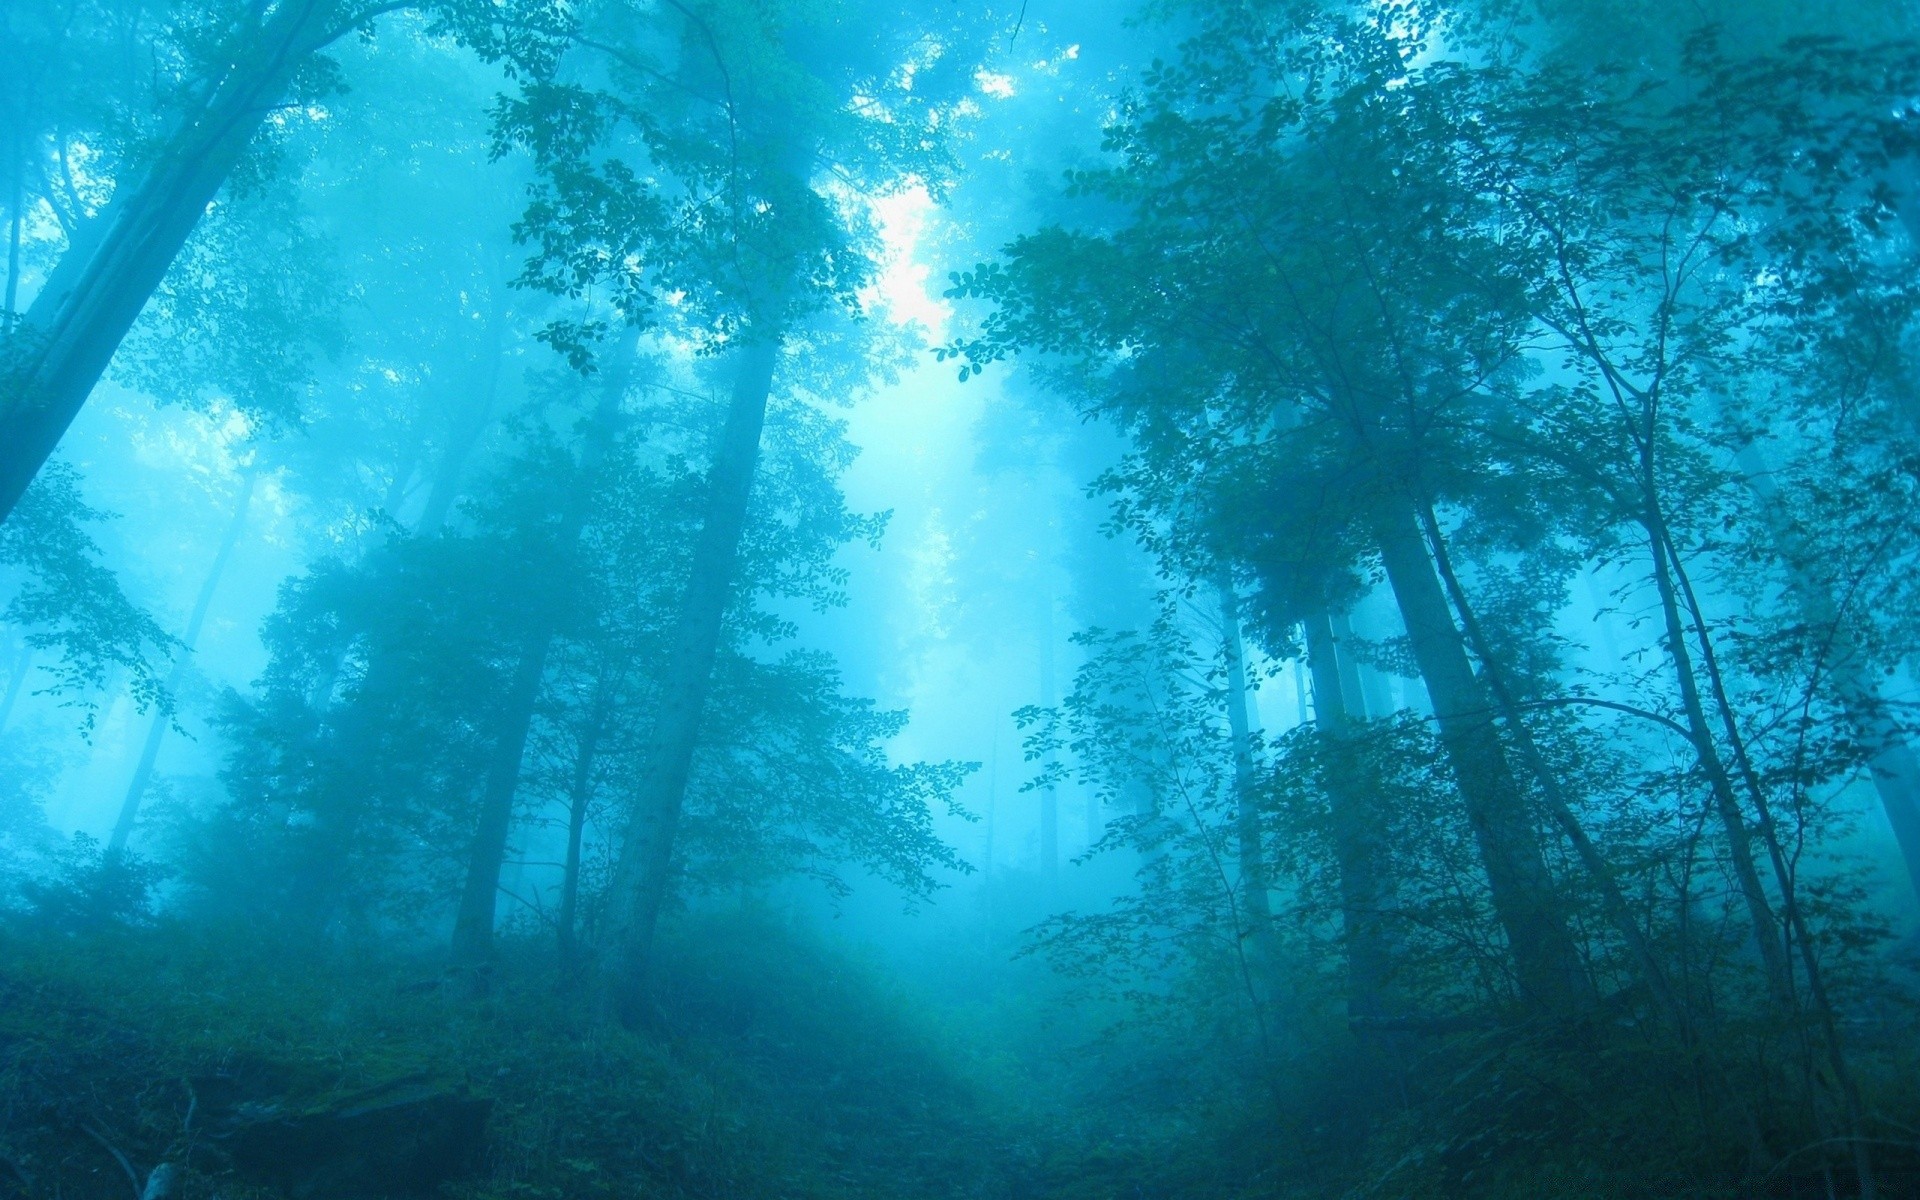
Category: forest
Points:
column 960, row 599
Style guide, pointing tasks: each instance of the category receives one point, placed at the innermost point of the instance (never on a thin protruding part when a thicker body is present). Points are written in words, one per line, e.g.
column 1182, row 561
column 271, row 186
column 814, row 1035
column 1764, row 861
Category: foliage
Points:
column 1352, row 269
column 65, row 600
column 88, row 889
column 835, row 1093
column 1529, row 383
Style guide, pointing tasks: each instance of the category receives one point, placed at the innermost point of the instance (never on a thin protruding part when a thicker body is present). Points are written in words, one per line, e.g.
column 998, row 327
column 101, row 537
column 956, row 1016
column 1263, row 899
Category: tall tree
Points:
column 735, row 109
column 63, row 342
column 1319, row 337
column 474, row 923
column 123, row 826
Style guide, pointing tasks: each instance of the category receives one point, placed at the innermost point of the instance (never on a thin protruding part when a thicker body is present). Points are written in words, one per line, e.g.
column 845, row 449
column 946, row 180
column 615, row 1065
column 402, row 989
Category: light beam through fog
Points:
column 843, row 600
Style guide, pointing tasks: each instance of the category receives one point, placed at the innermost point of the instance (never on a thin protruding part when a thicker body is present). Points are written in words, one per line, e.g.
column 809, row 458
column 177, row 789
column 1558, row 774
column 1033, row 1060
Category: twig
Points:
column 133, row 1177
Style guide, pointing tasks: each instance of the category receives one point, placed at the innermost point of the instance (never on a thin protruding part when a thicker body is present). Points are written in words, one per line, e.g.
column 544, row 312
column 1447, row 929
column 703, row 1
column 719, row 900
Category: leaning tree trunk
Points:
column 1800, row 936
column 479, row 899
column 1546, row 961
column 1618, row 911
column 473, row 925
column 646, row 854
column 157, row 731
column 1765, row 928
column 62, row 344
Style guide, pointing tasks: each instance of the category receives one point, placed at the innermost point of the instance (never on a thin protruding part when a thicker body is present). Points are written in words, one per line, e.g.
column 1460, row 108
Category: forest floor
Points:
column 778, row 1067
column 179, row 1062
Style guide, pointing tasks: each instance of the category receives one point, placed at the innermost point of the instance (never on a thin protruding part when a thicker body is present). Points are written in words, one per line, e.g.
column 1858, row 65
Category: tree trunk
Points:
column 1766, row 930
column 646, row 855
column 579, row 797
column 116, row 260
column 1353, row 692
column 1546, row 962
column 16, row 683
column 1800, row 937
column 1049, row 795
column 157, row 729
column 1619, row 912
column 481, row 393
column 1894, row 766
column 1363, row 892
column 479, row 899
column 1254, row 881
column 13, row 244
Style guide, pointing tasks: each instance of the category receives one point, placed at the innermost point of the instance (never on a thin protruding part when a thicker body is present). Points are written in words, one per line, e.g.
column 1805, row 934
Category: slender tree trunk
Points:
column 1619, row 912
column 1254, row 880
column 479, row 899
column 1546, row 961
column 1800, row 935
column 1667, row 1002
column 1353, row 690
column 1356, row 833
column 16, row 682
column 1049, row 795
column 1766, row 930
column 641, row 874
column 116, row 260
column 157, row 728
column 1894, row 767
column 579, row 798
column 13, row 245
column 482, row 396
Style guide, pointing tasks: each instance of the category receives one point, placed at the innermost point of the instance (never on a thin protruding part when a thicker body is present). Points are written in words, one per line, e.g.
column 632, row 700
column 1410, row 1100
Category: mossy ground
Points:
column 777, row 1067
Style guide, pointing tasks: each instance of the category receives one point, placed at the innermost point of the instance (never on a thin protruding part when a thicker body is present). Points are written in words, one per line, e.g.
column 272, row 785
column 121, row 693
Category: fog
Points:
column 744, row 598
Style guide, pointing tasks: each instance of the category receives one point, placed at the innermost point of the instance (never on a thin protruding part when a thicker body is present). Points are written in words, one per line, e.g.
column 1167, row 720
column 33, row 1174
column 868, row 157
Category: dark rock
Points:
column 402, row 1139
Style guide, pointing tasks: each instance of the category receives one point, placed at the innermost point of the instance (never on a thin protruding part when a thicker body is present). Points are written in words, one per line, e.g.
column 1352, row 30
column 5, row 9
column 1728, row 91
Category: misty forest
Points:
column 960, row 599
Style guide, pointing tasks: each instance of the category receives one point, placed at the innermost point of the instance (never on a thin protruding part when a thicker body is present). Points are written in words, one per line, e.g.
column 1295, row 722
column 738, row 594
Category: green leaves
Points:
column 65, row 600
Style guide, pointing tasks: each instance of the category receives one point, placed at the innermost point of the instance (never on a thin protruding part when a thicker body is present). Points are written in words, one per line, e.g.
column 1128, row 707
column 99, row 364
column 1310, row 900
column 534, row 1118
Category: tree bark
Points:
column 464, row 427
column 479, row 899
column 114, row 263
column 157, row 729
column 579, row 798
column 16, row 683
column 641, row 874
column 1894, row 767
column 1546, row 962
column 1049, row 795
column 1356, row 833
column 1353, row 692
column 1766, row 930
column 1613, row 900
column 1254, row 880
column 13, row 243
column 1800, row 937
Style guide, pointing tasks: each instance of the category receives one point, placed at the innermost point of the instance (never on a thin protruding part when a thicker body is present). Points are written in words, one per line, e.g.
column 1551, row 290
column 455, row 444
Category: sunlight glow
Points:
column 994, row 84
column 901, row 287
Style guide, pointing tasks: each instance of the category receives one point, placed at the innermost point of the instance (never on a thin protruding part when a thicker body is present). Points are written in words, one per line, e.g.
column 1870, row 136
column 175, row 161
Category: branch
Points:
column 133, row 1176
